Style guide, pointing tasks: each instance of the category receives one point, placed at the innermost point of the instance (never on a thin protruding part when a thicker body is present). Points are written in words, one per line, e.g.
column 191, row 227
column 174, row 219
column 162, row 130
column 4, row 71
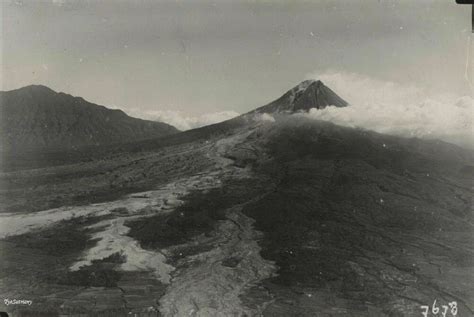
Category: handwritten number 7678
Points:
column 435, row 309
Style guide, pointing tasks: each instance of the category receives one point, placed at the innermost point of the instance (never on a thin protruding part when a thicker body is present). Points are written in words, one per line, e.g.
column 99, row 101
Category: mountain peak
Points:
column 306, row 95
column 36, row 118
column 33, row 89
column 306, row 83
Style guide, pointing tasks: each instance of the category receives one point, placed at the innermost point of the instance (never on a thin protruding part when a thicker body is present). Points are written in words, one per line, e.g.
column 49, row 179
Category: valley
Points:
column 283, row 217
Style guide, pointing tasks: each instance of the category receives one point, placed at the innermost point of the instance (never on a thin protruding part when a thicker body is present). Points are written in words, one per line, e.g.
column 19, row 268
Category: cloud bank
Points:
column 397, row 109
column 182, row 121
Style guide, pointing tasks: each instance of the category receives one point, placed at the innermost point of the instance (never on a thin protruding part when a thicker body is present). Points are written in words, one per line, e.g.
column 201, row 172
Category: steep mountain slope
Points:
column 362, row 224
column 305, row 96
column 36, row 117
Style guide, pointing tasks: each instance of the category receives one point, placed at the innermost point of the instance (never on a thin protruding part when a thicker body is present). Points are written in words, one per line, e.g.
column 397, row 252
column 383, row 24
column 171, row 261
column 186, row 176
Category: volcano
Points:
column 307, row 95
column 289, row 217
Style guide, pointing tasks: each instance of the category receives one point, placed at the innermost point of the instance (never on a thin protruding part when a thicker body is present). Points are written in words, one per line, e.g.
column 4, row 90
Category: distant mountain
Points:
column 307, row 95
column 36, row 117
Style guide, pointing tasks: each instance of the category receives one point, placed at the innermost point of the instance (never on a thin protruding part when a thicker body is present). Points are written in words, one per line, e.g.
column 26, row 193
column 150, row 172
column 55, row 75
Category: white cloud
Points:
column 265, row 117
column 180, row 120
column 398, row 109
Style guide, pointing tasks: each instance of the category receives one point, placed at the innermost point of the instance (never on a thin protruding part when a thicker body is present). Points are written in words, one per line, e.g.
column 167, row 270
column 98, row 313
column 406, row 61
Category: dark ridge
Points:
column 32, row 89
column 36, row 118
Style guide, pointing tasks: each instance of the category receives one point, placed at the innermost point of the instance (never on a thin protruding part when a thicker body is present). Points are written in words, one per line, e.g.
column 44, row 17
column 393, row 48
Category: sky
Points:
column 196, row 62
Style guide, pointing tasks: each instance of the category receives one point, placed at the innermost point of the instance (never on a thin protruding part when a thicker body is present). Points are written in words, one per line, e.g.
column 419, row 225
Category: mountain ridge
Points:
column 37, row 117
column 315, row 90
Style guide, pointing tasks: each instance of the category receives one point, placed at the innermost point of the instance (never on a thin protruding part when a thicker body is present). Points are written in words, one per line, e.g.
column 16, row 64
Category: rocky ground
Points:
column 293, row 218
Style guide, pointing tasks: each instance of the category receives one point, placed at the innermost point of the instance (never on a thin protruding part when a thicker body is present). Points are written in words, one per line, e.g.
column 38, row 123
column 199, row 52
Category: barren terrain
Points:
column 285, row 218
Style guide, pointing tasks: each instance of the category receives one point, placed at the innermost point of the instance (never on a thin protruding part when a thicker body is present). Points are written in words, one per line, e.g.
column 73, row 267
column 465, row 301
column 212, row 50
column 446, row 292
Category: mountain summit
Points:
column 36, row 117
column 303, row 97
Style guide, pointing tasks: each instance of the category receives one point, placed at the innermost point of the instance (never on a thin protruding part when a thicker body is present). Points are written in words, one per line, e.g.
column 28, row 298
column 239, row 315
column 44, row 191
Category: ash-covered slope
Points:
column 36, row 117
column 350, row 223
column 361, row 223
